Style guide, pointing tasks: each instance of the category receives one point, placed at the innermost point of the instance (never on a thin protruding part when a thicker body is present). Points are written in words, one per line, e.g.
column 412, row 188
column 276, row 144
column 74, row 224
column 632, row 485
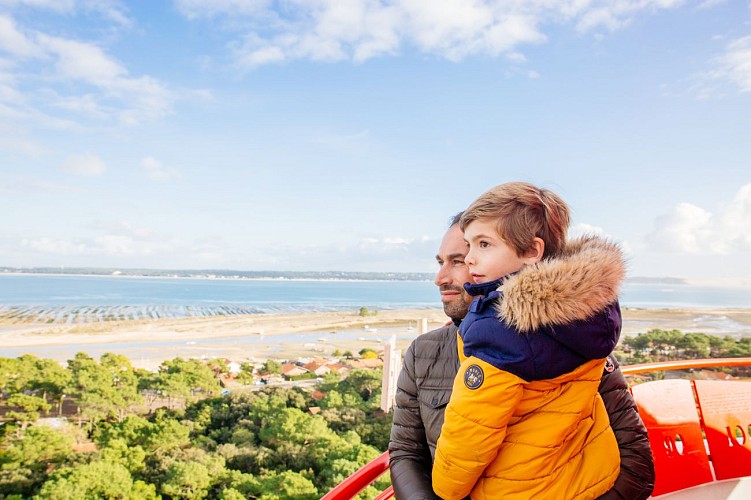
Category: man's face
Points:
column 453, row 273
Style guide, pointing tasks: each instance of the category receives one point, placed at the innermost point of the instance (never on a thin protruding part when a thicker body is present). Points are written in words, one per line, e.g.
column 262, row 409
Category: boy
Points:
column 525, row 419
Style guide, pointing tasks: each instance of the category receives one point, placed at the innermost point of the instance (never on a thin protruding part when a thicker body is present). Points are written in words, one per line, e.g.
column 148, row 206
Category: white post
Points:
column 423, row 326
column 391, row 366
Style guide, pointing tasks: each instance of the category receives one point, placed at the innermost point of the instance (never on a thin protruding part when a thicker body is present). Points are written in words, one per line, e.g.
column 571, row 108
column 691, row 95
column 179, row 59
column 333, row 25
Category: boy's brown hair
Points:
column 522, row 212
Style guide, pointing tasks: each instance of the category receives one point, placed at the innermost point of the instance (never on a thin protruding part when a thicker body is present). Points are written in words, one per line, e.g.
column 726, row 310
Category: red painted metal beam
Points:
column 360, row 480
column 685, row 364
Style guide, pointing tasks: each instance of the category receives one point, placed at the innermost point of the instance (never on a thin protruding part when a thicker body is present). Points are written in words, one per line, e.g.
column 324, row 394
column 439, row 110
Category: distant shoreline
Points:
column 335, row 276
column 206, row 277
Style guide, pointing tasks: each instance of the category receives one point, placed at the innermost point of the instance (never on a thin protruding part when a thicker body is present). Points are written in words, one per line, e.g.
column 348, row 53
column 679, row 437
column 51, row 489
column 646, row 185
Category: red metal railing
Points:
column 685, row 364
column 371, row 471
column 361, row 479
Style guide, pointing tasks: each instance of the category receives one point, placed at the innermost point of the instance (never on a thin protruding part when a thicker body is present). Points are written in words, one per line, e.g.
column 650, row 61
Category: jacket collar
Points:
column 583, row 279
column 475, row 289
column 485, row 294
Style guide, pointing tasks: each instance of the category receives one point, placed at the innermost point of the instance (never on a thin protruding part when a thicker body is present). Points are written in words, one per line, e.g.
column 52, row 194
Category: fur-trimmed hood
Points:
column 572, row 286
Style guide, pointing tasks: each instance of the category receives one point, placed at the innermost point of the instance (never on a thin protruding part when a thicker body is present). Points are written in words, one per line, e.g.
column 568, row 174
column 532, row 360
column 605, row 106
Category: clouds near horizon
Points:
column 124, row 245
column 691, row 229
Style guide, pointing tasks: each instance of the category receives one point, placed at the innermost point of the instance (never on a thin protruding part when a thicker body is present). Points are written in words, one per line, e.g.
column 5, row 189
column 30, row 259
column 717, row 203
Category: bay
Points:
column 71, row 299
column 263, row 295
column 64, row 297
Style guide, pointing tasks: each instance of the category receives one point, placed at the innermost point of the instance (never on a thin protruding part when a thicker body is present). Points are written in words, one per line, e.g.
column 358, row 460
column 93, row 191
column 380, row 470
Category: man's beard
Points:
column 457, row 308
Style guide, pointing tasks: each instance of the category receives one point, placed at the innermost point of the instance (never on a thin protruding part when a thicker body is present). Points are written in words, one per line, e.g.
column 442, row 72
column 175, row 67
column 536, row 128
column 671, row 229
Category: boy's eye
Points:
column 484, row 244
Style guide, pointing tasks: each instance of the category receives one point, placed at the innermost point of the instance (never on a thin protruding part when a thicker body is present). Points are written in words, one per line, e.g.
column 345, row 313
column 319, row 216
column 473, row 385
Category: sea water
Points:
column 194, row 296
column 84, row 299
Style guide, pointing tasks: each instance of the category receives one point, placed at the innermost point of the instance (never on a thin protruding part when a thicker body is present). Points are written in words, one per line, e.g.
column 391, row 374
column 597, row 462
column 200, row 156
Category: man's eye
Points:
column 458, row 262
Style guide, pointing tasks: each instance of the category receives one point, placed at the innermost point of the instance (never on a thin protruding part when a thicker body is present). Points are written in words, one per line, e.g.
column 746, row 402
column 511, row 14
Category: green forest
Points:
column 670, row 345
column 100, row 428
column 200, row 444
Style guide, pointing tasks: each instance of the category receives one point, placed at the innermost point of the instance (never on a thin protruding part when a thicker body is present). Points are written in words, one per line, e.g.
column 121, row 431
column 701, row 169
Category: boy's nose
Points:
column 470, row 258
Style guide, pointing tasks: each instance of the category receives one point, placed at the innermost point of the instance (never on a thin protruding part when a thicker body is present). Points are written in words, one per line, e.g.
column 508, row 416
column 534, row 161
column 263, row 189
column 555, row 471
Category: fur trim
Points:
column 580, row 281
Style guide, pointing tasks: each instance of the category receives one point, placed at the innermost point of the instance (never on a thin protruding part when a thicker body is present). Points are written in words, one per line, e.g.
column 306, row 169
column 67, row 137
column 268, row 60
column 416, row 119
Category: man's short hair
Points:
column 455, row 219
column 522, row 212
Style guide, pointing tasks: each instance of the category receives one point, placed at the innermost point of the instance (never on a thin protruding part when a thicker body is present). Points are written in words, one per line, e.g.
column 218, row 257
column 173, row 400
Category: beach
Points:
column 257, row 337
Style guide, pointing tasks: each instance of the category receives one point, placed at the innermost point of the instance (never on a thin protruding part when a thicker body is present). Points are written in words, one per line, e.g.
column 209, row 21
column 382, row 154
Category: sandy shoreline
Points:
column 289, row 336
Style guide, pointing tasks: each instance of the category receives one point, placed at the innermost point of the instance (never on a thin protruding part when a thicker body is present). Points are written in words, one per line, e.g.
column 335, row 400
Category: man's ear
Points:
column 535, row 251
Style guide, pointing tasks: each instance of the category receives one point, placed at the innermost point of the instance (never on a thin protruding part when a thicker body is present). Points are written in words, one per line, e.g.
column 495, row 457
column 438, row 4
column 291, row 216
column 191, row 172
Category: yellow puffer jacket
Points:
column 525, row 419
column 518, row 439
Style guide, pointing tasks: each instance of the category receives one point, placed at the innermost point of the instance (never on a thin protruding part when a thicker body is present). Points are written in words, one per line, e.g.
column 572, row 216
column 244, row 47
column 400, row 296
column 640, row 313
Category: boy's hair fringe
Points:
column 522, row 212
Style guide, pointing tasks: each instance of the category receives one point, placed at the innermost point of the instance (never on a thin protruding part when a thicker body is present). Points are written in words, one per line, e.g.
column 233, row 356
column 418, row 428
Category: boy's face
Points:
column 489, row 257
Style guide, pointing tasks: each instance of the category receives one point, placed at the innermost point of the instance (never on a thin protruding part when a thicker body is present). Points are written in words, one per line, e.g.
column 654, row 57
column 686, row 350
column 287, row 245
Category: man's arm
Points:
column 637, row 477
column 410, row 460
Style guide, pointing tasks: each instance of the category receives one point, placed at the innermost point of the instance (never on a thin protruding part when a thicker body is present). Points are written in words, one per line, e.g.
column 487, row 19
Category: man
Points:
column 426, row 380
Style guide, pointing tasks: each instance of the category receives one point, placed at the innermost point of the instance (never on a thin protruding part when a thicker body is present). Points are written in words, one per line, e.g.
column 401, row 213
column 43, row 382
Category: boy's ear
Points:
column 535, row 251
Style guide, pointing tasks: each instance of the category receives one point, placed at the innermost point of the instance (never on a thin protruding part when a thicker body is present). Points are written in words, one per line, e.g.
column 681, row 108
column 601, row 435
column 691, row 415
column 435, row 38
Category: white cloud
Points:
column 56, row 5
column 583, row 229
column 357, row 30
column 117, row 243
column 83, row 105
column 133, row 99
column 202, row 8
column 10, row 95
column 708, row 4
column 22, row 184
column 399, row 242
column 15, row 42
column 249, row 56
column 735, row 64
column 82, row 61
column 54, row 246
column 15, row 141
column 114, row 10
column 122, row 243
column 370, row 253
column 611, row 14
column 110, row 245
column 690, row 229
column 156, row 171
column 84, row 165
column 391, row 244
column 96, row 85
column 127, row 229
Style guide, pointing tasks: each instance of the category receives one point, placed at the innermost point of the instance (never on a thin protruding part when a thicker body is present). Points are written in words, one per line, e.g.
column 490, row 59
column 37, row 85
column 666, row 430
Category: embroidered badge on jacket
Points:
column 473, row 377
column 609, row 365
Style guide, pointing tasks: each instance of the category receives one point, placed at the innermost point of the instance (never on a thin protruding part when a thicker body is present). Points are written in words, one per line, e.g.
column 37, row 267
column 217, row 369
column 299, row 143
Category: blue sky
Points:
column 342, row 134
